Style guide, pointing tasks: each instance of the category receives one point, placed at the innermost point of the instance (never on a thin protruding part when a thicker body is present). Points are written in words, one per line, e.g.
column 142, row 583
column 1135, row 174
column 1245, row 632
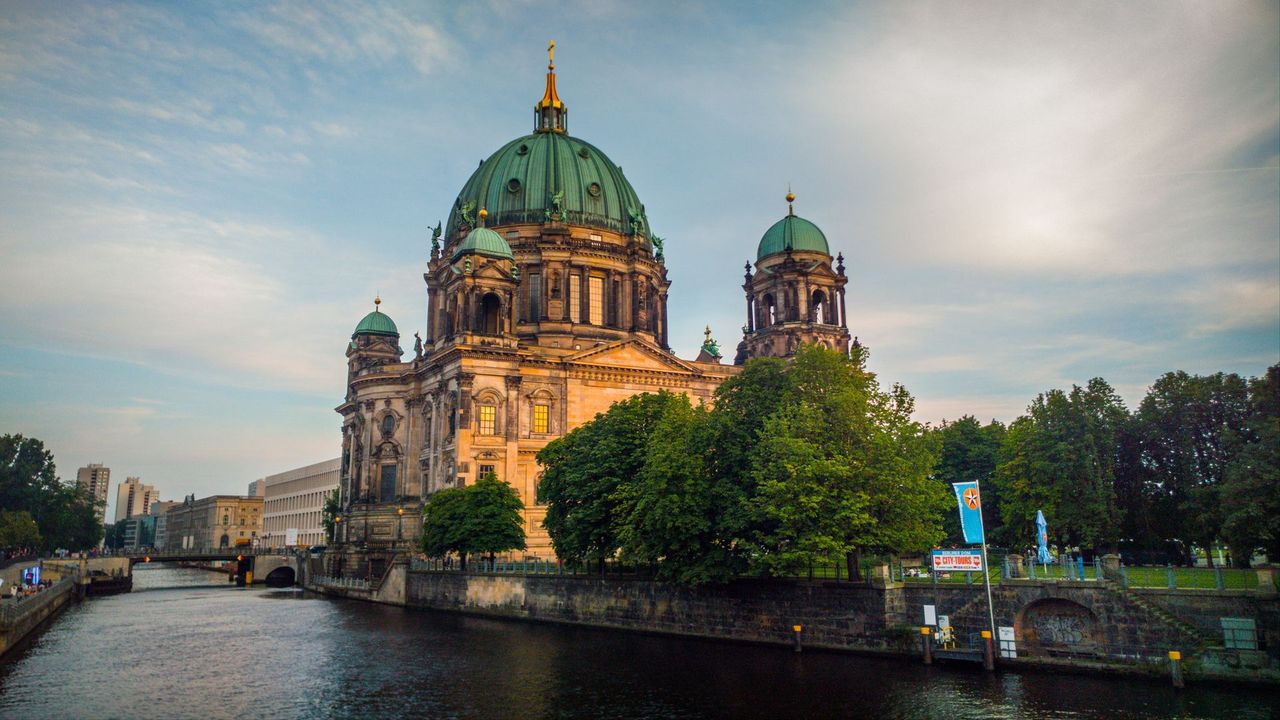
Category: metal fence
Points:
column 14, row 609
column 348, row 583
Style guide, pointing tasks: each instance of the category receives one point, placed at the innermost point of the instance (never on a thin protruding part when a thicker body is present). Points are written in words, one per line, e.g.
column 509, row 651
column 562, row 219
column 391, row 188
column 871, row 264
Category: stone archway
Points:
column 1054, row 626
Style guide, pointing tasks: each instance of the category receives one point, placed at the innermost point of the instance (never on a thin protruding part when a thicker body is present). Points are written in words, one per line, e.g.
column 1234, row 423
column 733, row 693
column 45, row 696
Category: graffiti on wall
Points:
column 1059, row 625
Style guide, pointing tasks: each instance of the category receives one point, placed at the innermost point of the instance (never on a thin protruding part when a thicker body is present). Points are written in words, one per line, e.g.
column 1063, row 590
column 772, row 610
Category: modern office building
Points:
column 256, row 488
column 293, row 505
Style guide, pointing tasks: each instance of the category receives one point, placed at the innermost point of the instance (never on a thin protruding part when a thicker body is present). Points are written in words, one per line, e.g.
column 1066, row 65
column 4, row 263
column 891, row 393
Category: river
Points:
column 185, row 644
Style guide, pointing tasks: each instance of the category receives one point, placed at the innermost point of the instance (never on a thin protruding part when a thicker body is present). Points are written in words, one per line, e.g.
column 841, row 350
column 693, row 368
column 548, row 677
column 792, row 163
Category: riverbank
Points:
column 180, row 645
column 1091, row 627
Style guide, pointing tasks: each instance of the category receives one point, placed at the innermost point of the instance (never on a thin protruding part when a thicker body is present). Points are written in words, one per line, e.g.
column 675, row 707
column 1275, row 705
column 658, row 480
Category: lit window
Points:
column 595, row 301
column 574, row 281
column 541, row 418
column 488, row 416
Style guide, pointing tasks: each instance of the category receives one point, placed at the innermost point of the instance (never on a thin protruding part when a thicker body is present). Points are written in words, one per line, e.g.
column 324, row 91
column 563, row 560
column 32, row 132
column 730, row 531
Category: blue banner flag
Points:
column 970, row 511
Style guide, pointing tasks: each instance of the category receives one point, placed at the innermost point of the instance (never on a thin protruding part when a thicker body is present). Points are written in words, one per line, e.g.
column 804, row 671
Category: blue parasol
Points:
column 1042, row 539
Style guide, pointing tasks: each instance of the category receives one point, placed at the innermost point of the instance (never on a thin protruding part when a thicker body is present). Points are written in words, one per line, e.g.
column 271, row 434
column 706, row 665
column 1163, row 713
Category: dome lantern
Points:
column 550, row 114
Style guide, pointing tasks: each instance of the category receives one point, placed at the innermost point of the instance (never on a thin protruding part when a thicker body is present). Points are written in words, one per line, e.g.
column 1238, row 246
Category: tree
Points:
column 482, row 518
column 1061, row 458
column 676, row 510
column 585, row 471
column 329, row 514
column 841, row 468
column 970, row 451
column 1250, row 489
column 66, row 515
column 1186, row 429
column 18, row 530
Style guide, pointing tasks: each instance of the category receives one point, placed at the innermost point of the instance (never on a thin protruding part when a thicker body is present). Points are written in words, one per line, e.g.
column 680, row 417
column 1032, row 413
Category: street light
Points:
column 400, row 526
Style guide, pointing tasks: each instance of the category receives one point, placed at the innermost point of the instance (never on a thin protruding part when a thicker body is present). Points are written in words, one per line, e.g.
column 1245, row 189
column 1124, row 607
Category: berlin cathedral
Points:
column 546, row 298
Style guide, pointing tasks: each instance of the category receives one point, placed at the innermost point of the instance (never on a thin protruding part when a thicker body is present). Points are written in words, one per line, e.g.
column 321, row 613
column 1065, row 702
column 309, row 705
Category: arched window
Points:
column 487, row 419
column 491, row 314
column 770, row 309
column 818, row 308
column 388, row 424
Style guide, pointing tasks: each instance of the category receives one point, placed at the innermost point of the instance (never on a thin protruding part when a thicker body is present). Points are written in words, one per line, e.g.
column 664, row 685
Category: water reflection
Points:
column 178, row 650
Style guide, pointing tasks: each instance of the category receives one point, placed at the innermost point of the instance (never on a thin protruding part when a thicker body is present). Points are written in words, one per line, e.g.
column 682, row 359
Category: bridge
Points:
column 269, row 565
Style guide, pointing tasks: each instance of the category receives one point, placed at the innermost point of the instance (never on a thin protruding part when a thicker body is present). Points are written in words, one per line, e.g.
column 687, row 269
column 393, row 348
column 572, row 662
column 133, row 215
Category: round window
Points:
column 594, row 189
column 513, row 185
column 582, row 153
column 522, row 150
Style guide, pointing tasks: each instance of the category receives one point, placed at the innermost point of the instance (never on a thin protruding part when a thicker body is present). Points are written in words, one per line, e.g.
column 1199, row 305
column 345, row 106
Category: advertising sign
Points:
column 291, row 537
column 1008, row 645
column 957, row 561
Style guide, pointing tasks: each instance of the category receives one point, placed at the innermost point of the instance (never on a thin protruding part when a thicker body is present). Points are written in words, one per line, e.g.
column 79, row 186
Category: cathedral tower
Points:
column 795, row 295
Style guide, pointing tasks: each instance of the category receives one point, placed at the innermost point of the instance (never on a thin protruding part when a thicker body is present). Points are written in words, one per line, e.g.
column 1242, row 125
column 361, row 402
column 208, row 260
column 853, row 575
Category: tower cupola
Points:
column 550, row 114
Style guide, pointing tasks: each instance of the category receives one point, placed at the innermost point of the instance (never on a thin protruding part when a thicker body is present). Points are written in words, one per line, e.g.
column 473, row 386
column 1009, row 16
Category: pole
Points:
column 986, row 569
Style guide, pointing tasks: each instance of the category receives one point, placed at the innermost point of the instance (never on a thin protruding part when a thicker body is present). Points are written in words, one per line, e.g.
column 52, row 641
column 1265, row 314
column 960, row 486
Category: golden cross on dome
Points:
column 551, row 56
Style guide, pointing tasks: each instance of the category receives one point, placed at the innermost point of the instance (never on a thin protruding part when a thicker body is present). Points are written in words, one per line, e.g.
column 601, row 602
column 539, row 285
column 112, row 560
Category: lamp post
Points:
column 337, row 525
column 400, row 525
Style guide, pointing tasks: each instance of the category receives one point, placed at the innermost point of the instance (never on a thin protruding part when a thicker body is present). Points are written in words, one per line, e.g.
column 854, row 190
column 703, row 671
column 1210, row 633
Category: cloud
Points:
column 1095, row 141
column 342, row 34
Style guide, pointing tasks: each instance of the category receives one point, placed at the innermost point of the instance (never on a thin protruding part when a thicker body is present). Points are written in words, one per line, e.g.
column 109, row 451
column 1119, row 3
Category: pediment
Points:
column 632, row 354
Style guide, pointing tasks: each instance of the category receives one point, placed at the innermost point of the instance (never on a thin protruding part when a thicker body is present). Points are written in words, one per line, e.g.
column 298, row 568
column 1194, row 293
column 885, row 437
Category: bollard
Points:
column 926, row 644
column 796, row 630
column 988, row 651
column 1175, row 668
column 248, row 578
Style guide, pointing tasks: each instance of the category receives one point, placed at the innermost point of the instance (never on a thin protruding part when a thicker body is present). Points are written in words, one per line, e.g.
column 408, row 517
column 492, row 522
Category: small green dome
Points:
column 792, row 233
column 525, row 180
column 483, row 241
column 376, row 323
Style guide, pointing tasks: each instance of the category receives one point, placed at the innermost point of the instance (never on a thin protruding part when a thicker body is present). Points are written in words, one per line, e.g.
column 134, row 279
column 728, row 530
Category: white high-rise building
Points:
column 133, row 498
column 96, row 480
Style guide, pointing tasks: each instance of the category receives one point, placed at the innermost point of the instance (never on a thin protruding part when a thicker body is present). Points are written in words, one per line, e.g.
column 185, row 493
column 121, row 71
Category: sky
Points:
column 199, row 201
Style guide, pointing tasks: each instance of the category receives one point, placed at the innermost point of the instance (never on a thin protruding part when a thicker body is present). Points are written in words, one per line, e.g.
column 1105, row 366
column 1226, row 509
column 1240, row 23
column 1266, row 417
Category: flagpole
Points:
column 986, row 566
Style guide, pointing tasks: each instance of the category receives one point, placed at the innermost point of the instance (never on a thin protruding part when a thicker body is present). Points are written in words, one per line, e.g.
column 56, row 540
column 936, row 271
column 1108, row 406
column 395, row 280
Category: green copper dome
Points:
column 376, row 323
column 483, row 241
column 792, row 233
column 536, row 176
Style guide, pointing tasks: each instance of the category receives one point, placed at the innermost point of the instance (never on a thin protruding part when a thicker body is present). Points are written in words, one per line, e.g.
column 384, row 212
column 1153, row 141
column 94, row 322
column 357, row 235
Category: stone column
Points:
column 1111, row 567
column 751, row 317
column 843, row 320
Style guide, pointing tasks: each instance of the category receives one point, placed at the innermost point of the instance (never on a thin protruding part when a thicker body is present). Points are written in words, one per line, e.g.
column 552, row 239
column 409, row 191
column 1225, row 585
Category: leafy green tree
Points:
column 1061, row 458
column 1187, row 427
column 483, row 518
column 18, row 530
column 329, row 514
column 585, row 473
column 65, row 514
column 970, row 451
column 676, row 510
column 1250, row 490
column 842, row 469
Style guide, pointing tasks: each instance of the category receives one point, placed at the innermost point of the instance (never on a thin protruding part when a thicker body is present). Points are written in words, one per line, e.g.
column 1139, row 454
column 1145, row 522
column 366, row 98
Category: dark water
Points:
column 172, row 649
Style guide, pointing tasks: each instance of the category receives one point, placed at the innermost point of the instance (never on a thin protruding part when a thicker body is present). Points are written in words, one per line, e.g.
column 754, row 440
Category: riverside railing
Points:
column 347, row 583
column 14, row 609
column 1170, row 577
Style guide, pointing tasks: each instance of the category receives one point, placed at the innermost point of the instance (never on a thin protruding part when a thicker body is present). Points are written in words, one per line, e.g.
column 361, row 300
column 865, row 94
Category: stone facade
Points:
column 536, row 321
column 213, row 522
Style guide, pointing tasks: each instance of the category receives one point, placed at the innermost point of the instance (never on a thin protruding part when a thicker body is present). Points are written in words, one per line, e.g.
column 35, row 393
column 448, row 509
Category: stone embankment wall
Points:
column 838, row 615
column 1052, row 620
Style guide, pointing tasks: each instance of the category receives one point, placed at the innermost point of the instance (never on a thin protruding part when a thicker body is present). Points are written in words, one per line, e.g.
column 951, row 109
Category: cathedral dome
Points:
column 483, row 241
column 376, row 323
column 792, row 233
column 536, row 176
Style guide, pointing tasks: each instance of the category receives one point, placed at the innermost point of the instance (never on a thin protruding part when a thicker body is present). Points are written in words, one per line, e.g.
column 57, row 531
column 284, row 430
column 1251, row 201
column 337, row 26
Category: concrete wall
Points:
column 20, row 619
